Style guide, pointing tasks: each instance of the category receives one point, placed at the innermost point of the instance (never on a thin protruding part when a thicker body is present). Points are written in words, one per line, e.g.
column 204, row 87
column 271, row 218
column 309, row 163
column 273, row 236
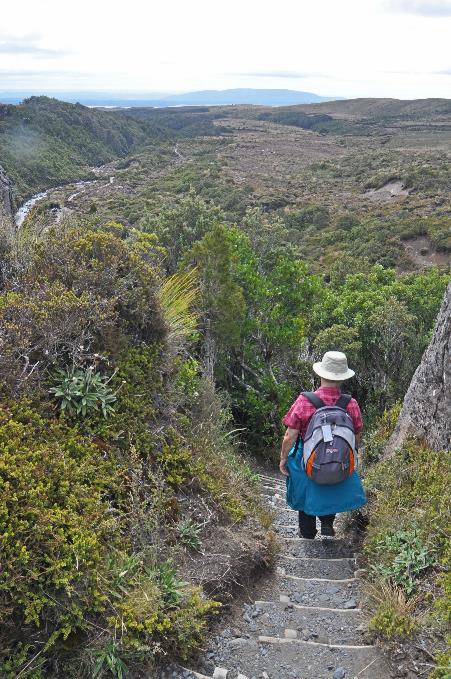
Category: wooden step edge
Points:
column 315, row 558
column 308, row 608
column 302, row 642
column 296, row 577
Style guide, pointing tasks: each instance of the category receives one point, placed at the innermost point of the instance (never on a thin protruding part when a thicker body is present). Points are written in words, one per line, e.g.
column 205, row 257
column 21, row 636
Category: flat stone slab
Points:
column 311, row 624
column 321, row 593
column 339, row 569
column 326, row 548
column 307, row 661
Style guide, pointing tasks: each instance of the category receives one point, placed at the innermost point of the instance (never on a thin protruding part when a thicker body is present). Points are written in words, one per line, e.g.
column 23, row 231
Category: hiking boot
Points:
column 328, row 530
column 307, row 536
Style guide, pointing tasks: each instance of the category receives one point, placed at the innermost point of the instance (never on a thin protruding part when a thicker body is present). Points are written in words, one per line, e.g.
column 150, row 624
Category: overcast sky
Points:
column 351, row 48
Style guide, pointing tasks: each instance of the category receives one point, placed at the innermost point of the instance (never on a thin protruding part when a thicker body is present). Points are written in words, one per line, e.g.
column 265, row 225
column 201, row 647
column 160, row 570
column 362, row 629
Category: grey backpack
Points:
column 330, row 454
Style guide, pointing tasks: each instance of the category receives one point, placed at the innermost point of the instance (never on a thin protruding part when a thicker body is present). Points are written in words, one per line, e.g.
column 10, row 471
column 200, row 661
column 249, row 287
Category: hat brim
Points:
column 334, row 377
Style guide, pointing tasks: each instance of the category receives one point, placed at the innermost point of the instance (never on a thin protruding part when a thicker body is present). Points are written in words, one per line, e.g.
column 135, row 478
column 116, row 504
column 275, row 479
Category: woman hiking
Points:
column 314, row 493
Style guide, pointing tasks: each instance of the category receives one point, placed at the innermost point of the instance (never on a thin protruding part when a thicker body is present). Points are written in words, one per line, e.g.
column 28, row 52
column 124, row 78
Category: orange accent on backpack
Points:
column 351, row 461
column 309, row 465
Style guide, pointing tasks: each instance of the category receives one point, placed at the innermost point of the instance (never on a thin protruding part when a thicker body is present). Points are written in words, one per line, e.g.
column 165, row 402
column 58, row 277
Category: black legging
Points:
column 307, row 523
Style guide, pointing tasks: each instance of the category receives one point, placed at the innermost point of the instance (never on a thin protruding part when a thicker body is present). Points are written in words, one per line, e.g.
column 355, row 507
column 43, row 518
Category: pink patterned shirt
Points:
column 301, row 411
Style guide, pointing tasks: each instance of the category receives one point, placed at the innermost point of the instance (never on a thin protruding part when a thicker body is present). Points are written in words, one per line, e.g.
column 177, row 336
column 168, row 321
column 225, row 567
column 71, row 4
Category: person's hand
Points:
column 283, row 467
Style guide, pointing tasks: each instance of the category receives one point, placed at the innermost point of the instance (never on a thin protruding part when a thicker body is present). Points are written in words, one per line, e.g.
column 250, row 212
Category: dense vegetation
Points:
column 178, row 308
column 407, row 547
column 114, row 448
column 45, row 142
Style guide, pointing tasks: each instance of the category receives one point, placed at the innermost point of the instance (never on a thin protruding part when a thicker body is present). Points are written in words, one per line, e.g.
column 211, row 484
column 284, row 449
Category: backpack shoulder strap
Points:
column 344, row 401
column 314, row 399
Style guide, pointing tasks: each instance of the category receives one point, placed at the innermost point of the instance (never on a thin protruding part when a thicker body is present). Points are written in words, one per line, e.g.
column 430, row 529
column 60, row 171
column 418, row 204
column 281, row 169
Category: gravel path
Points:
column 305, row 623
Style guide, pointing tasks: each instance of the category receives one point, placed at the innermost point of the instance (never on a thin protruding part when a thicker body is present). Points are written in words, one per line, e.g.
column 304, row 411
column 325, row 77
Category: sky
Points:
column 349, row 48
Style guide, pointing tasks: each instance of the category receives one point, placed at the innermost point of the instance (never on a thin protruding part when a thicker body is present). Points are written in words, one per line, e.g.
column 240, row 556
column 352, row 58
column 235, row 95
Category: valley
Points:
column 168, row 277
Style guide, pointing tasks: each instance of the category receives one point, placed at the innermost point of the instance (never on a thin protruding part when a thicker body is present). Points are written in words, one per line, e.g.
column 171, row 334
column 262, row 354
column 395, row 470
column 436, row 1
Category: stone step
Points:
column 336, row 569
column 179, row 672
column 327, row 548
column 287, row 518
column 327, row 593
column 285, row 658
column 284, row 530
column 311, row 624
column 273, row 490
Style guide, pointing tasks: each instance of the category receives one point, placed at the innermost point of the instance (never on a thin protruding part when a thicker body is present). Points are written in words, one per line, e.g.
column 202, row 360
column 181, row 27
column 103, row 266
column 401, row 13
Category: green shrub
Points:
column 389, row 624
column 376, row 439
column 81, row 391
column 410, row 491
column 189, row 533
column 46, row 324
column 443, row 666
column 407, row 546
column 402, row 557
column 56, row 522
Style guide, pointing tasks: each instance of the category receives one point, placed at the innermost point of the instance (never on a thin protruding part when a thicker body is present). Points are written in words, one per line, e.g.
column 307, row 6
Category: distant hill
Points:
column 243, row 96
column 202, row 98
column 383, row 108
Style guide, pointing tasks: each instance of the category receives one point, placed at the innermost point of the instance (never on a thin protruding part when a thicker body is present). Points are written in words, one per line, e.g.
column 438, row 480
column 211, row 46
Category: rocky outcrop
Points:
column 426, row 413
column 6, row 208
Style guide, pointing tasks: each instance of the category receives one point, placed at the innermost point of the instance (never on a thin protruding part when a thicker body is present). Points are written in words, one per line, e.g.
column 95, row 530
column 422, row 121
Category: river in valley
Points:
column 26, row 208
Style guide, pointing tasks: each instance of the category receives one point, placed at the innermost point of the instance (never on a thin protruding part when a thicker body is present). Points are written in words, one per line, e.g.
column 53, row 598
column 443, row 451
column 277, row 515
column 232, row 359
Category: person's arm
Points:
column 288, row 442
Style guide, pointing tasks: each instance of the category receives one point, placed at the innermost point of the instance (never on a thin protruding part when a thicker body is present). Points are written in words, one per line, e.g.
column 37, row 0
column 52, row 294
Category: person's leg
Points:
column 327, row 524
column 307, row 525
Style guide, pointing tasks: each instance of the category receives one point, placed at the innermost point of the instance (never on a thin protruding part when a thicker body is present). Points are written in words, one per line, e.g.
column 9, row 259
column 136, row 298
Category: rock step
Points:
column 323, row 593
column 287, row 519
column 335, row 569
column 283, row 658
column 325, row 548
column 289, row 531
column 269, row 490
column 272, row 618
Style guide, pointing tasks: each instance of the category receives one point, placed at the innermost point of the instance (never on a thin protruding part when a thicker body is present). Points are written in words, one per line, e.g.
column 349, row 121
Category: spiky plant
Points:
column 177, row 296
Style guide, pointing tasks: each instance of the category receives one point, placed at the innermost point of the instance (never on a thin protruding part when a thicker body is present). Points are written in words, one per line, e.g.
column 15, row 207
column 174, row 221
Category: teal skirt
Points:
column 305, row 495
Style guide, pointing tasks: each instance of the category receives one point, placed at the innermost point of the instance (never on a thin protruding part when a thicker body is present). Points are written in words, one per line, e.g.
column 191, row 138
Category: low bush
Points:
column 56, row 500
column 80, row 391
column 407, row 544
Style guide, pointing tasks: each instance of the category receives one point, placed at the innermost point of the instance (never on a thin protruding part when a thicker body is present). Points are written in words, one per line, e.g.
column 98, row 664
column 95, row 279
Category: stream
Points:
column 26, row 208
column 23, row 211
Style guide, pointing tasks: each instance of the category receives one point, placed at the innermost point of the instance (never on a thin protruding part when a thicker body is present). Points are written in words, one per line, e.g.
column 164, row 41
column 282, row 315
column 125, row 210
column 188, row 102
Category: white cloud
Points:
column 282, row 74
column 348, row 48
column 26, row 45
column 427, row 8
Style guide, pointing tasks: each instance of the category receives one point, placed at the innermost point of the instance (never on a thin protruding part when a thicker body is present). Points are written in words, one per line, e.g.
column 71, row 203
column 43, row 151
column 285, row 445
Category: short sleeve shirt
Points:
column 302, row 410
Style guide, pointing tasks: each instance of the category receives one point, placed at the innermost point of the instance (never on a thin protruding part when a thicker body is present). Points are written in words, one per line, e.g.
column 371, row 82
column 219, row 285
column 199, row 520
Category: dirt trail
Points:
column 305, row 622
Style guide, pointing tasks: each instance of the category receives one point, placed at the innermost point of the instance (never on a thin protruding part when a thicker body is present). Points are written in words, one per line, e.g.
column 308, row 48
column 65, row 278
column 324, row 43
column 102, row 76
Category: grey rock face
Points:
column 5, row 195
column 427, row 405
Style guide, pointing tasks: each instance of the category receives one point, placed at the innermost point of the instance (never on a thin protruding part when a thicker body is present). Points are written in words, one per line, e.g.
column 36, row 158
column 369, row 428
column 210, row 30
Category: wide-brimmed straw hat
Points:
column 334, row 367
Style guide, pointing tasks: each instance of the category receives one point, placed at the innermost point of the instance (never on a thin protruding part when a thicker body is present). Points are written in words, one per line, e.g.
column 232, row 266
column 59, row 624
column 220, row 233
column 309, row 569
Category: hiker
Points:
column 337, row 487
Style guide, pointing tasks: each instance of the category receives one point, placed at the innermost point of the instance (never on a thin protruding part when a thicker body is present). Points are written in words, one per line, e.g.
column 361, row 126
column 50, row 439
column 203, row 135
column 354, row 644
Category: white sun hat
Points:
column 334, row 367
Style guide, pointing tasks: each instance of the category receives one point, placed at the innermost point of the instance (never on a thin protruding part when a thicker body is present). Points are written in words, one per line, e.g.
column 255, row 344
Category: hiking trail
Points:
column 305, row 623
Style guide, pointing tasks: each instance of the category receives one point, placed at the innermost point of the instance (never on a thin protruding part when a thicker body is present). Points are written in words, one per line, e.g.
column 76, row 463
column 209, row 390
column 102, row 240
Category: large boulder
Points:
column 6, row 209
column 426, row 412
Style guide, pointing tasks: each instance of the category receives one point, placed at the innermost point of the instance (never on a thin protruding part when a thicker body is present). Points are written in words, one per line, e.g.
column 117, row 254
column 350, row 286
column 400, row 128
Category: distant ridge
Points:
column 244, row 96
column 236, row 97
